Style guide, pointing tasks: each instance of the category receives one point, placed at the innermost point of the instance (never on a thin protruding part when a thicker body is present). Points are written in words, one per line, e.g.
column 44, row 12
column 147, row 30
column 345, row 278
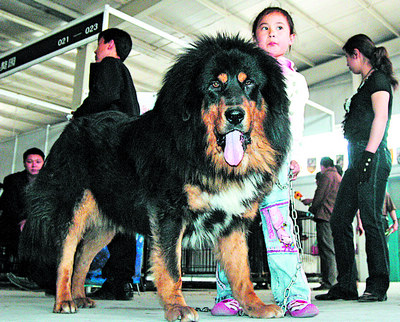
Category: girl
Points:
column 363, row 186
column 273, row 31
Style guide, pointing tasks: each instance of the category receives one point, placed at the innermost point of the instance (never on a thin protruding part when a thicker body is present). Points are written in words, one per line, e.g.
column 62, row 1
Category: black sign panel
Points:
column 51, row 44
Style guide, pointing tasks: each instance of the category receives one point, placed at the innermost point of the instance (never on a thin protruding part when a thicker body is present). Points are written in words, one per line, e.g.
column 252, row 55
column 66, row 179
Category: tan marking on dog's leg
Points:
column 197, row 200
column 91, row 244
column 170, row 291
column 233, row 257
column 83, row 217
column 252, row 213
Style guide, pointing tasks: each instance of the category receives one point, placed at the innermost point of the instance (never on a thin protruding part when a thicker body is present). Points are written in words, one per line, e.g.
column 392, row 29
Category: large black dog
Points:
column 191, row 171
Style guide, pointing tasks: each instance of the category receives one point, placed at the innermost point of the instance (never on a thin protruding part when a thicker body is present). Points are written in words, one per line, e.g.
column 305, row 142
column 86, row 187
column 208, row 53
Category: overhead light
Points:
column 38, row 33
column 14, row 43
column 64, row 62
column 34, row 101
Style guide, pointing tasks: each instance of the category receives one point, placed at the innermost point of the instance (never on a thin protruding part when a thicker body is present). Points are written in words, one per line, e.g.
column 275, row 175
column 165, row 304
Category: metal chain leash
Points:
column 296, row 230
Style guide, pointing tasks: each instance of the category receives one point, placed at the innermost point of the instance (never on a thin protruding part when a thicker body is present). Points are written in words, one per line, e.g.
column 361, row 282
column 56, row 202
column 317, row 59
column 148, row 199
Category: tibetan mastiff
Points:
column 190, row 172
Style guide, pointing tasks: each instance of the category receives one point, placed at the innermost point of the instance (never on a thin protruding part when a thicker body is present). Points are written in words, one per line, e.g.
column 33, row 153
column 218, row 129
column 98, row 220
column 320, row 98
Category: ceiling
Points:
column 43, row 94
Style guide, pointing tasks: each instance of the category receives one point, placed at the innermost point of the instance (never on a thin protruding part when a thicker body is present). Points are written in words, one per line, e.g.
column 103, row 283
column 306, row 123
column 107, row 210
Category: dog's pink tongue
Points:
column 233, row 152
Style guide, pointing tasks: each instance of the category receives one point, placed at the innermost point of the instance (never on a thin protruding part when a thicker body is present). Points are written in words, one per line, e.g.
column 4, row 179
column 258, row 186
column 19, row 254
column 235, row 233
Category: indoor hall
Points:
column 37, row 95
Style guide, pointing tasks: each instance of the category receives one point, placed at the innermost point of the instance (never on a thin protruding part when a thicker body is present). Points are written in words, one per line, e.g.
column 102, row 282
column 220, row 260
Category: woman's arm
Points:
column 380, row 105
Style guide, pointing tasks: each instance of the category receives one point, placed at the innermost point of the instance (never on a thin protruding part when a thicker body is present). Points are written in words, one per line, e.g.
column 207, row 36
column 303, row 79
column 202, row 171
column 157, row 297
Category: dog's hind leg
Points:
column 93, row 241
column 232, row 254
column 166, row 267
column 84, row 215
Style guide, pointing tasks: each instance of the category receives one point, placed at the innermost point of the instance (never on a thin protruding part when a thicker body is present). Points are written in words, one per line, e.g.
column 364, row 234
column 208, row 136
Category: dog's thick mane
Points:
column 181, row 100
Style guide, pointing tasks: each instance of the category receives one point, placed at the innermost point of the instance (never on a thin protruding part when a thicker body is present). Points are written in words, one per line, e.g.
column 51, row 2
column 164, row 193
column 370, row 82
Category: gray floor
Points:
column 16, row 305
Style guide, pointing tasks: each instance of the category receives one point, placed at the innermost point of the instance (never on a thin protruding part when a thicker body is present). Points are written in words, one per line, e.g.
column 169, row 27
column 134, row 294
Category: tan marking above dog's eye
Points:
column 223, row 78
column 242, row 77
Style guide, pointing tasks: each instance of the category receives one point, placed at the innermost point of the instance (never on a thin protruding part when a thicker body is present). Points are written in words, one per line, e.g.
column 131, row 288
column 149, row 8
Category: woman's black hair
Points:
column 378, row 56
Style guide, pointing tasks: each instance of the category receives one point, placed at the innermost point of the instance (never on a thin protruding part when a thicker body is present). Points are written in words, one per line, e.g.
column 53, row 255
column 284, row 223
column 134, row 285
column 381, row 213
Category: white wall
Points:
column 13, row 149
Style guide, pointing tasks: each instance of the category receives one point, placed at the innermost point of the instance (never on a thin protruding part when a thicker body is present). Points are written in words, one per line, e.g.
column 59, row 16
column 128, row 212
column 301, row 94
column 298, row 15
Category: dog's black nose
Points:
column 234, row 115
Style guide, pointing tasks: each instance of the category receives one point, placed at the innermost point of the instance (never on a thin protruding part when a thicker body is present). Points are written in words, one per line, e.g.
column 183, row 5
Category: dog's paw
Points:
column 182, row 313
column 264, row 311
column 65, row 307
column 85, row 302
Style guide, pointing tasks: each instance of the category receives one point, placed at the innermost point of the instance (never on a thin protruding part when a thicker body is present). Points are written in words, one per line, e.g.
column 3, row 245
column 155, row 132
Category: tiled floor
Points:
column 16, row 305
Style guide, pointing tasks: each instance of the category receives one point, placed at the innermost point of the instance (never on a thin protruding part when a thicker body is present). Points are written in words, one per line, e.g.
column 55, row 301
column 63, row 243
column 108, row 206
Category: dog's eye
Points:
column 216, row 84
column 248, row 82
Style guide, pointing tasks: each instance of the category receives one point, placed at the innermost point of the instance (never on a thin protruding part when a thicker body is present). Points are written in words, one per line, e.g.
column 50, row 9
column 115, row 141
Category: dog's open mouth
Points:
column 234, row 144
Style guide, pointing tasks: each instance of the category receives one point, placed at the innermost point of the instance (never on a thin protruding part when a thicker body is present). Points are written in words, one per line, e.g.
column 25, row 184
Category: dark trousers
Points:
column 326, row 252
column 121, row 264
column 368, row 197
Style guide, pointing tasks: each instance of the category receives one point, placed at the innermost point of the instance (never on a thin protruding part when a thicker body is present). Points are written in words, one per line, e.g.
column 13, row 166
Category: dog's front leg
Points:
column 166, row 267
column 232, row 254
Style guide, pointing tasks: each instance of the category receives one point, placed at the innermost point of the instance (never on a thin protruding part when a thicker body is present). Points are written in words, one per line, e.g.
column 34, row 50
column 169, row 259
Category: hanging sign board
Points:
column 75, row 34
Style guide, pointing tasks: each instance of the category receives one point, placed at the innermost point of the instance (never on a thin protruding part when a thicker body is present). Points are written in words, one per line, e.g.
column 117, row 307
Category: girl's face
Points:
column 273, row 34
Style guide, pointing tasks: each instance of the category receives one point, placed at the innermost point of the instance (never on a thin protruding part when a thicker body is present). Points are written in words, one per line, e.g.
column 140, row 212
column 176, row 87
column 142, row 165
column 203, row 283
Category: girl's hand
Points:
column 295, row 169
column 394, row 226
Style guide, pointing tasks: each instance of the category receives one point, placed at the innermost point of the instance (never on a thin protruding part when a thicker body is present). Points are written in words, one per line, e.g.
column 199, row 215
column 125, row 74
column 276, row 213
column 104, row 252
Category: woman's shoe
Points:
column 369, row 297
column 337, row 293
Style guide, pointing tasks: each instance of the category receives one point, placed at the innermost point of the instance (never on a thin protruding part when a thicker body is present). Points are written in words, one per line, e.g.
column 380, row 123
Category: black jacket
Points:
column 110, row 88
column 12, row 203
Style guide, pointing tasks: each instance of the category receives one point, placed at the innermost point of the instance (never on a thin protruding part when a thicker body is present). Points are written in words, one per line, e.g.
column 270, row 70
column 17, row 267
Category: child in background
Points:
column 273, row 31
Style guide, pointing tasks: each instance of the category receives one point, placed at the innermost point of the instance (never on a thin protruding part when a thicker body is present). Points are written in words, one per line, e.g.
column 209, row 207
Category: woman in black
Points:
column 363, row 186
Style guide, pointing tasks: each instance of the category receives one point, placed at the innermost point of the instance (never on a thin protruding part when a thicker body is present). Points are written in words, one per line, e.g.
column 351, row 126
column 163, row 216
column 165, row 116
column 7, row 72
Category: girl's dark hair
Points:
column 267, row 11
column 122, row 40
column 378, row 56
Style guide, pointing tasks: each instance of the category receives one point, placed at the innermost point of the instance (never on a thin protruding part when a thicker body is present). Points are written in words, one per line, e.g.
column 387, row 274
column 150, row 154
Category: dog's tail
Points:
column 38, row 246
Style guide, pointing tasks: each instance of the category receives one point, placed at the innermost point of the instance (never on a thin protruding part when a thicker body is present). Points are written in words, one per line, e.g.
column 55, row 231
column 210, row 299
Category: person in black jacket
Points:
column 110, row 82
column 12, row 203
column 111, row 88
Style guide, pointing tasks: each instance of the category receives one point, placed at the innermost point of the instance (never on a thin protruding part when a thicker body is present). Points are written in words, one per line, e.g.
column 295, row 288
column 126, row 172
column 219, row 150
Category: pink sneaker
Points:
column 301, row 309
column 226, row 307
